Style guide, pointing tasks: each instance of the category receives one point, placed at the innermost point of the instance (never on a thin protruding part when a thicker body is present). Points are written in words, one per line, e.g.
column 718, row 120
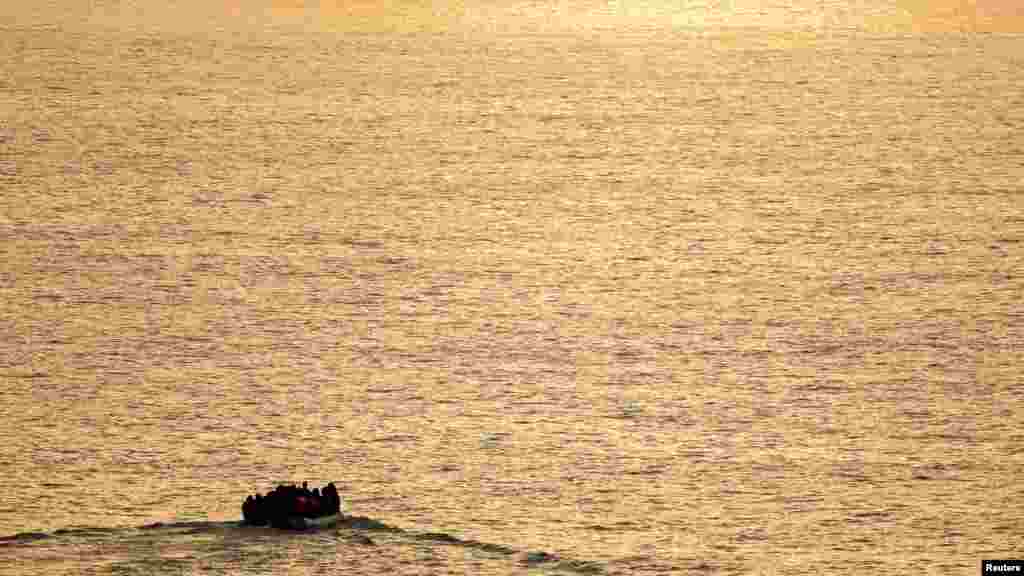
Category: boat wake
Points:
column 351, row 530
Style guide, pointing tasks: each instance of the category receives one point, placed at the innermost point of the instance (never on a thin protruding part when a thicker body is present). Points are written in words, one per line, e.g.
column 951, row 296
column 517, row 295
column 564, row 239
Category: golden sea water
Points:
column 602, row 288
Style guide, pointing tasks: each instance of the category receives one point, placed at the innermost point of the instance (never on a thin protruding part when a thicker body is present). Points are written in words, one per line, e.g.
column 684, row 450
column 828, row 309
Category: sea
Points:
column 545, row 287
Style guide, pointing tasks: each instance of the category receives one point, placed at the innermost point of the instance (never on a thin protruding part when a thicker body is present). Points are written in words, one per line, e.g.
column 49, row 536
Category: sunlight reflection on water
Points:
column 588, row 284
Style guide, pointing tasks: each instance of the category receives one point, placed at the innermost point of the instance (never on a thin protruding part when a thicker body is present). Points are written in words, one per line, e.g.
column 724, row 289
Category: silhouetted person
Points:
column 248, row 514
column 259, row 508
column 332, row 502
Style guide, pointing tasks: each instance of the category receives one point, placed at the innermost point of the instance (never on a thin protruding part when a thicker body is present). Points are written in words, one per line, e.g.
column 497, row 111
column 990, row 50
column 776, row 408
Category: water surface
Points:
column 611, row 288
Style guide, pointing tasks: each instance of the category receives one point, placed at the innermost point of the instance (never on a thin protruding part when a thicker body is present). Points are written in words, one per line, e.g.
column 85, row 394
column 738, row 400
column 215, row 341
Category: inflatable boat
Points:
column 306, row 523
column 294, row 508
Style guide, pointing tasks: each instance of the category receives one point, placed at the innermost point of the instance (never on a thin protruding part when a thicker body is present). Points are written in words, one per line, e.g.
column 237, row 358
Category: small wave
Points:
column 194, row 525
column 364, row 523
column 24, row 537
column 445, row 538
column 532, row 559
column 642, row 564
column 84, row 531
column 362, row 539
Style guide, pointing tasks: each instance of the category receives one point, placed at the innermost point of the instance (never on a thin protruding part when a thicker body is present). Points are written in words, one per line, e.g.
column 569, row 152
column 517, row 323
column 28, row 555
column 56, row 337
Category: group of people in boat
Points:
column 290, row 500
